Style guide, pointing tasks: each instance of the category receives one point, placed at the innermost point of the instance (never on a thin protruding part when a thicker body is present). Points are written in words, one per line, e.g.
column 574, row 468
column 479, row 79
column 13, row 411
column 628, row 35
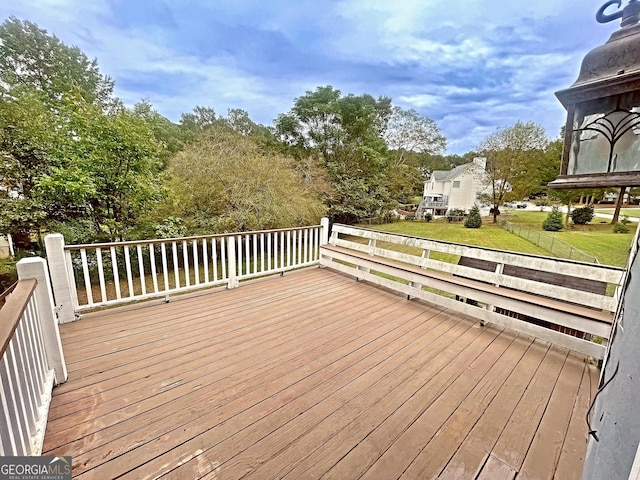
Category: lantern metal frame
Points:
column 609, row 76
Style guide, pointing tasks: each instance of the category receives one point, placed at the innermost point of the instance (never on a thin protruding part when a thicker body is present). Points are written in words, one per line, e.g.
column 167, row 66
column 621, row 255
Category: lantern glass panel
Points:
column 606, row 135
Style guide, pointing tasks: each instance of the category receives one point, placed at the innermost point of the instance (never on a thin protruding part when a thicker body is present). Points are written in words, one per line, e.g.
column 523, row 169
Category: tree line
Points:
column 75, row 159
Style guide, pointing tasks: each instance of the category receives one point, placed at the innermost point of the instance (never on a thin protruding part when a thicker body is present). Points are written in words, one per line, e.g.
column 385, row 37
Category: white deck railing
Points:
column 114, row 273
column 31, row 361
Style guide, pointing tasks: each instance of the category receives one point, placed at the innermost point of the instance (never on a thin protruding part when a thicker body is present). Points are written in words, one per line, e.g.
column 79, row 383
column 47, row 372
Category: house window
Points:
column 456, row 184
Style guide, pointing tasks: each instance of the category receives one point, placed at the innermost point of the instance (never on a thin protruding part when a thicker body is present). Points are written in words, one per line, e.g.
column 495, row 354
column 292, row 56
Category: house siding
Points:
column 464, row 196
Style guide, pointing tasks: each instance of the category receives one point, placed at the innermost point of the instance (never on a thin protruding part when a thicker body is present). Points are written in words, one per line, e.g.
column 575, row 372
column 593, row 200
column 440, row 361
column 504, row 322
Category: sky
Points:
column 471, row 65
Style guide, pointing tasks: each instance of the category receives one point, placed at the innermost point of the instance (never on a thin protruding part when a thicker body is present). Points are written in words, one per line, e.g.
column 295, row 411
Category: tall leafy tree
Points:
column 27, row 150
column 108, row 169
column 239, row 186
column 169, row 135
column 31, row 57
column 346, row 134
column 70, row 151
column 408, row 132
column 197, row 121
column 410, row 137
column 511, row 153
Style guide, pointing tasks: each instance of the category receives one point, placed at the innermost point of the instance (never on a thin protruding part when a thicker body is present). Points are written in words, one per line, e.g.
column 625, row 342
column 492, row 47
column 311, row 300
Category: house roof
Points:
column 445, row 175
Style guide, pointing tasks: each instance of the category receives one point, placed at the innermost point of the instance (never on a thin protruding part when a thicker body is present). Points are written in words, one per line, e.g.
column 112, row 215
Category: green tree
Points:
column 239, row 186
column 543, row 168
column 169, row 136
column 473, row 220
column 408, row 132
column 510, row 153
column 346, row 134
column 30, row 57
column 197, row 121
column 109, row 169
column 408, row 136
column 27, row 148
column 70, row 151
column 553, row 222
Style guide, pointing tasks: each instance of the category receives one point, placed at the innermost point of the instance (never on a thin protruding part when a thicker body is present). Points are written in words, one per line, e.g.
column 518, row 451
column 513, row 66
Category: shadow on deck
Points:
column 314, row 375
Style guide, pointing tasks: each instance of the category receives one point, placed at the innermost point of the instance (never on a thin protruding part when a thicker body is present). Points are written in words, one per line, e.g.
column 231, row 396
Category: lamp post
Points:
column 602, row 132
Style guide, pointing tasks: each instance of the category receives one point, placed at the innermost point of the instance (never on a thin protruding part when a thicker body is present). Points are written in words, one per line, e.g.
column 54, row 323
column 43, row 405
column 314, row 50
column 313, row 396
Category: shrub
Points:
column 428, row 217
column 583, row 215
column 474, row 220
column 455, row 215
column 620, row 227
column 554, row 221
column 8, row 273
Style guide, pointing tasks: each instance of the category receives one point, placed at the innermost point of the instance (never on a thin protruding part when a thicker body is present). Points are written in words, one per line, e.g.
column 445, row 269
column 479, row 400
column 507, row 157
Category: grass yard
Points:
column 596, row 239
column 491, row 236
column 628, row 212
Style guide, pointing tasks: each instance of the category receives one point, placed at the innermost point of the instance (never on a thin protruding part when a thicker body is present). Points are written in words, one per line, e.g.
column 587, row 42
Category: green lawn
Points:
column 628, row 212
column 596, row 239
column 491, row 236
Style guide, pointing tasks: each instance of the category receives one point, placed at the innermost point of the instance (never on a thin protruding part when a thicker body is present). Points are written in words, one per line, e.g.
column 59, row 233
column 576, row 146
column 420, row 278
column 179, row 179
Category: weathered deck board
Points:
column 313, row 375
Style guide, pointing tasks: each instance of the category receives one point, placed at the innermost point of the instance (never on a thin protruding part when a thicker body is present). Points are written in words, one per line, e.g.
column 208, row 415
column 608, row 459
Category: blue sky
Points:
column 472, row 66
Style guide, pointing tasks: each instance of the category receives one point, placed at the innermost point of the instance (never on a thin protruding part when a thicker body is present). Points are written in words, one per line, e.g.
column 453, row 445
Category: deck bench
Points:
column 591, row 313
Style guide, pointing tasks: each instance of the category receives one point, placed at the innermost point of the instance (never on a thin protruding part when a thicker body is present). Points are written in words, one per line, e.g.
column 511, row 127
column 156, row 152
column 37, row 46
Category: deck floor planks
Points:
column 259, row 393
column 494, row 469
column 441, row 373
column 519, row 432
column 471, row 454
column 575, row 443
column 230, row 347
column 347, row 420
column 199, row 435
column 191, row 359
column 409, row 444
column 436, row 454
column 139, row 314
column 144, row 420
column 183, row 310
column 284, row 389
column 310, row 389
column 543, row 455
column 182, row 324
column 306, row 411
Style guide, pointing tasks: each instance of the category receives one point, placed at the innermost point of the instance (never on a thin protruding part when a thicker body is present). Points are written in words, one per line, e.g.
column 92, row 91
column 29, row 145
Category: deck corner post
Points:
column 36, row 268
column 324, row 227
column 231, row 264
column 62, row 280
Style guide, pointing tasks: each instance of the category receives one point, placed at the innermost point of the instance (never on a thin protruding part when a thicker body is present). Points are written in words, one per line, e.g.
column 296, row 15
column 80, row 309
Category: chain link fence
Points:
column 555, row 246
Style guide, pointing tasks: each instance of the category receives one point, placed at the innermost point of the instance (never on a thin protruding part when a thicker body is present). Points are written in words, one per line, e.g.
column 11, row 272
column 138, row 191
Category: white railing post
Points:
column 231, row 262
column 36, row 267
column 324, row 229
column 12, row 249
column 62, row 280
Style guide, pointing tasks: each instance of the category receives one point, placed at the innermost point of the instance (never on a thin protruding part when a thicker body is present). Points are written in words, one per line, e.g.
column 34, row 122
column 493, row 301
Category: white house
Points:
column 6, row 246
column 457, row 188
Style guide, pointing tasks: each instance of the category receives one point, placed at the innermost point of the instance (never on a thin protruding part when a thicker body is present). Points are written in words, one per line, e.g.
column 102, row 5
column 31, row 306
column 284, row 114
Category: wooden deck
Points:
column 314, row 375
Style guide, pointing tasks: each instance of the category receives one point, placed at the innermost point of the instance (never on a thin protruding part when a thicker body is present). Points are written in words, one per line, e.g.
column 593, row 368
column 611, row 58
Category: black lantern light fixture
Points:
column 602, row 133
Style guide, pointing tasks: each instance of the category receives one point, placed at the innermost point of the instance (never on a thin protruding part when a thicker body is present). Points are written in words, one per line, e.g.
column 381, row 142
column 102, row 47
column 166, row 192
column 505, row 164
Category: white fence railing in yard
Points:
column 31, row 360
column 517, row 291
column 96, row 275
